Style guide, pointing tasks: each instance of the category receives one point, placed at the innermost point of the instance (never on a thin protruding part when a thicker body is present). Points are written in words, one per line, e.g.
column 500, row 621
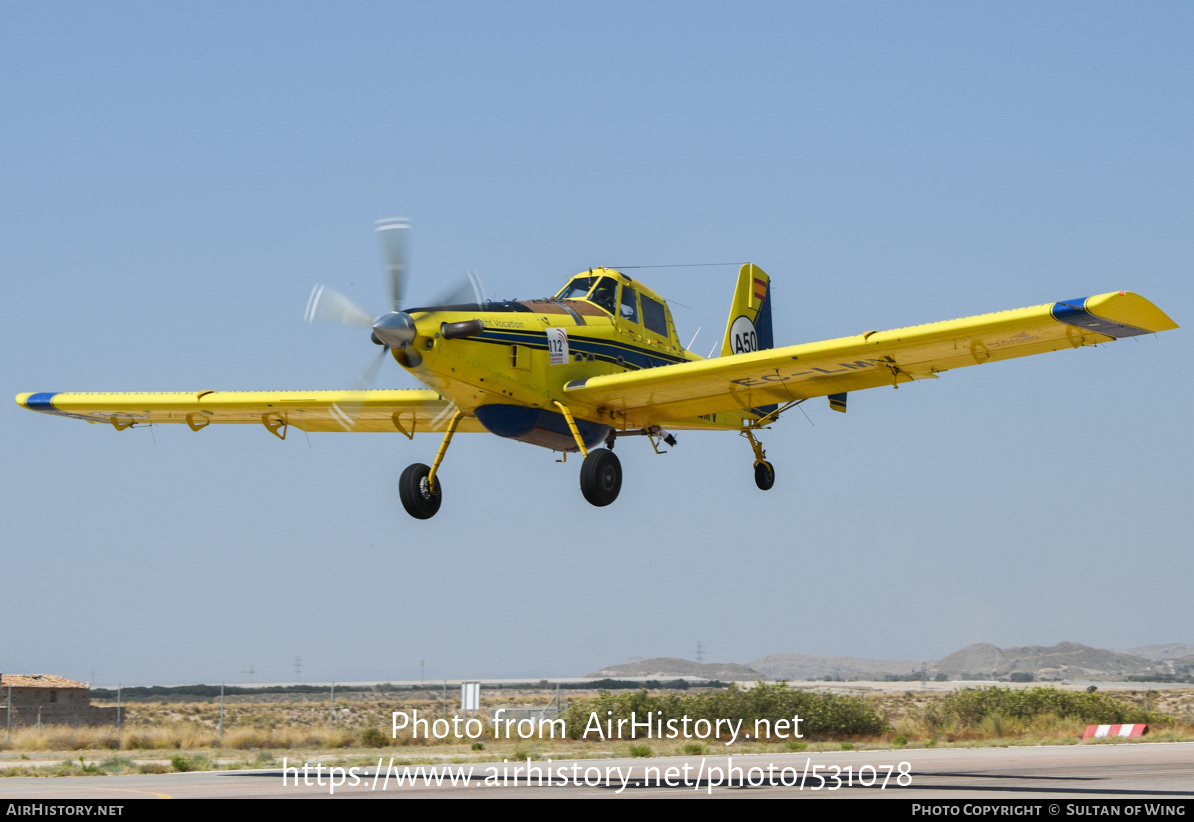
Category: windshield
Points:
column 577, row 288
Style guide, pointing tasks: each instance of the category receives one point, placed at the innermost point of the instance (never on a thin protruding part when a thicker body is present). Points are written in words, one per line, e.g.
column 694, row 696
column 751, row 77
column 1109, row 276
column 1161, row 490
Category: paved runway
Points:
column 1054, row 774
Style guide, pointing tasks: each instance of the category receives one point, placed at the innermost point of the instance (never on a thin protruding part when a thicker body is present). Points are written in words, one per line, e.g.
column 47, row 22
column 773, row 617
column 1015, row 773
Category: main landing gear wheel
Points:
column 601, row 477
column 764, row 475
column 415, row 491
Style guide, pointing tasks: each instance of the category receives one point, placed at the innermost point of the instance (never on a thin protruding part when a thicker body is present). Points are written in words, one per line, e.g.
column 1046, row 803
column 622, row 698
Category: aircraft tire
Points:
column 601, row 477
column 764, row 475
column 417, row 498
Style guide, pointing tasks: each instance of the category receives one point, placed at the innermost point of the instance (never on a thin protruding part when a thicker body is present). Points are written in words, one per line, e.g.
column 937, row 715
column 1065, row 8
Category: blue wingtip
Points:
column 1073, row 312
column 42, row 402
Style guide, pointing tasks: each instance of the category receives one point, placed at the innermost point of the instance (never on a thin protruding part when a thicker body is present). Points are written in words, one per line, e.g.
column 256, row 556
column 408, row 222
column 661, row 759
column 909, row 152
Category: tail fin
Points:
column 749, row 326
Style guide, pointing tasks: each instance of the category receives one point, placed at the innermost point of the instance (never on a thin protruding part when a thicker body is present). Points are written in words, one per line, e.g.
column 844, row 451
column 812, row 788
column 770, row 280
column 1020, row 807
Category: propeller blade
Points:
column 369, row 375
column 467, row 292
column 348, row 411
column 326, row 305
column 478, row 289
column 395, row 235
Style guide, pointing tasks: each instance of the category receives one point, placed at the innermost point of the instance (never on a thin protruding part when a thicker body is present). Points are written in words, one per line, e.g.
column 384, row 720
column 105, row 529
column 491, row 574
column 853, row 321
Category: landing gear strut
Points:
column 601, row 477
column 601, row 472
column 419, row 488
column 764, row 471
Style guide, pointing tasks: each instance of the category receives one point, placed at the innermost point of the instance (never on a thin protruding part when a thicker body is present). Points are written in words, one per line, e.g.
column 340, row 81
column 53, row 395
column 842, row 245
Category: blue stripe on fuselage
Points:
column 612, row 351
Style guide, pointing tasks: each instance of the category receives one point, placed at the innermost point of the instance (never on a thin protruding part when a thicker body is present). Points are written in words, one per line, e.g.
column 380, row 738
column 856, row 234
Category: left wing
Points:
column 746, row 381
column 409, row 411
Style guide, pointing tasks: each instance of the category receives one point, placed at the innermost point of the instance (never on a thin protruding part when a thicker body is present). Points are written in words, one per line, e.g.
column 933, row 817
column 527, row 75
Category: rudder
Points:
column 749, row 326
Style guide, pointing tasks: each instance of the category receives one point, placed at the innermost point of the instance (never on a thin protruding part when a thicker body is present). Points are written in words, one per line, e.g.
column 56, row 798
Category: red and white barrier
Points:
column 1102, row 731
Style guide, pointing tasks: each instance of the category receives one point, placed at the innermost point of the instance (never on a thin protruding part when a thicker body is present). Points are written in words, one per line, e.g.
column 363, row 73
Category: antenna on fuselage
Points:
column 694, row 336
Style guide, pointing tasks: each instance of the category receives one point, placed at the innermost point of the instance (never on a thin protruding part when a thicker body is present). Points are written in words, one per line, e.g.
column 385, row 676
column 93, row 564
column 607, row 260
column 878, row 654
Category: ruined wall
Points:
column 53, row 706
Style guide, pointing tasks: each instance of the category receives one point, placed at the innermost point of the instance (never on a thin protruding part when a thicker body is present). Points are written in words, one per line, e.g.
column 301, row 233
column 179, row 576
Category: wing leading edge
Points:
column 410, row 411
column 876, row 358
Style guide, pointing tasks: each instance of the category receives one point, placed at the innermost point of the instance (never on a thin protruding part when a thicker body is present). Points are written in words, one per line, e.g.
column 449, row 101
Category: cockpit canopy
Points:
column 623, row 298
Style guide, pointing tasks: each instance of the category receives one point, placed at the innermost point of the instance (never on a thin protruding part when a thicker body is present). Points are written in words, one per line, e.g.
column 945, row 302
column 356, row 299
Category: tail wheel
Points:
column 601, row 477
column 764, row 475
column 414, row 489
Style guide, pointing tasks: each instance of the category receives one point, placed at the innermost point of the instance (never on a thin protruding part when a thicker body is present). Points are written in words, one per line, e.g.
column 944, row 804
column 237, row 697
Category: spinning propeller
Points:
column 395, row 329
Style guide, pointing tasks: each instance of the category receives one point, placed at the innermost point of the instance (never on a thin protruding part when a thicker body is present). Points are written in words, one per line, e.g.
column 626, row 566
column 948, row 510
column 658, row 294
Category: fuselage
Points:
column 507, row 362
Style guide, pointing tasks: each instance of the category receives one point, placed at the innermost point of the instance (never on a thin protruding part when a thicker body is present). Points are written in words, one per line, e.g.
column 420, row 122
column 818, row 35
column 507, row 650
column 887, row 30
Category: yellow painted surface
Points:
column 617, row 371
column 852, row 363
column 419, row 409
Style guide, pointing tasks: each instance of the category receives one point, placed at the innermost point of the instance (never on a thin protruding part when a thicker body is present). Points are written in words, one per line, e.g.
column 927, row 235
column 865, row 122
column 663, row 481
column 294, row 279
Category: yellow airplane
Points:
column 599, row 361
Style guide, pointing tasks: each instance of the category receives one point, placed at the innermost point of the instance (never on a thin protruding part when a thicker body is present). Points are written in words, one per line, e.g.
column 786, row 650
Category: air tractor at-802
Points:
column 597, row 362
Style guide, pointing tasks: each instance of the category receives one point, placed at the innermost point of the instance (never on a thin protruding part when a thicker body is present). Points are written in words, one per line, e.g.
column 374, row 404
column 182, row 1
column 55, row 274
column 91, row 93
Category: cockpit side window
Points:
column 654, row 316
column 605, row 294
column 628, row 308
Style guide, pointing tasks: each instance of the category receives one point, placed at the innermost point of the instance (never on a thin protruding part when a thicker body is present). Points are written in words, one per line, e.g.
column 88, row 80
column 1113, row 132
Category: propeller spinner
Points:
column 395, row 329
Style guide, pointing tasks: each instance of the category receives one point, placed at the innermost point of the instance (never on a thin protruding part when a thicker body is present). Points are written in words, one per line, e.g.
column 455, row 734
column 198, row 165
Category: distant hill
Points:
column 1162, row 653
column 1181, row 666
column 803, row 666
column 1066, row 660
column 667, row 667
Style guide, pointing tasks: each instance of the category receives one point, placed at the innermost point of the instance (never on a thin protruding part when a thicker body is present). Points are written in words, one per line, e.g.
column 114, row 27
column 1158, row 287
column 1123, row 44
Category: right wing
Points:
column 742, row 382
column 409, row 411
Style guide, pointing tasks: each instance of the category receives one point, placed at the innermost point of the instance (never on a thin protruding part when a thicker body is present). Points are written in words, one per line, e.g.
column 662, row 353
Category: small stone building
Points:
column 50, row 700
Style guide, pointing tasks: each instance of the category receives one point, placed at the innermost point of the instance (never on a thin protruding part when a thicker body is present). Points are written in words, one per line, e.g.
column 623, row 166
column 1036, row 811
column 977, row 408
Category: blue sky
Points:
column 175, row 179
